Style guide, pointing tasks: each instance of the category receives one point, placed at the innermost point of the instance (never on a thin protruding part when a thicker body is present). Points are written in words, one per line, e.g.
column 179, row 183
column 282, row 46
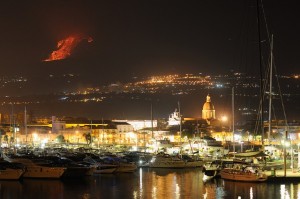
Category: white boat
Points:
column 207, row 178
column 105, row 168
column 210, row 170
column 11, row 174
column 124, row 167
column 37, row 171
column 10, row 171
column 99, row 166
column 247, row 174
column 166, row 161
column 193, row 164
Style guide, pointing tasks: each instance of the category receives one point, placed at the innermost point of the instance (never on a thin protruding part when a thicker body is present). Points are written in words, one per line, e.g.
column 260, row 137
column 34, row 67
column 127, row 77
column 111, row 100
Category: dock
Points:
column 278, row 175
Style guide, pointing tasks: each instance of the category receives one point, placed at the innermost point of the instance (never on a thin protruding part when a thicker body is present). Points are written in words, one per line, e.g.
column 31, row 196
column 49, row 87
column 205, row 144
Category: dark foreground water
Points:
column 146, row 183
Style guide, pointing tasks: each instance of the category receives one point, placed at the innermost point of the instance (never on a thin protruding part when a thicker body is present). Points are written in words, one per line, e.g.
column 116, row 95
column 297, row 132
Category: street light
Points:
column 224, row 118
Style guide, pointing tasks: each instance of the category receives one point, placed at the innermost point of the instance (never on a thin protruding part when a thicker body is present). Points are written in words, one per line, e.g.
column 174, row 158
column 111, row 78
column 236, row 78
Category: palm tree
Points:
column 88, row 138
column 5, row 139
column 60, row 139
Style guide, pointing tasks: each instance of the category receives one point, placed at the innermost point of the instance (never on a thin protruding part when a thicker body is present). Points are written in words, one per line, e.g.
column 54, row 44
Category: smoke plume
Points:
column 66, row 46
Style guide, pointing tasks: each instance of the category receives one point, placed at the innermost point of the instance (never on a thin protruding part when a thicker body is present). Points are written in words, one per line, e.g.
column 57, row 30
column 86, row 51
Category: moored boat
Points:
column 246, row 174
column 11, row 174
column 107, row 169
column 124, row 167
column 11, row 171
column 166, row 161
column 191, row 162
column 211, row 169
column 34, row 170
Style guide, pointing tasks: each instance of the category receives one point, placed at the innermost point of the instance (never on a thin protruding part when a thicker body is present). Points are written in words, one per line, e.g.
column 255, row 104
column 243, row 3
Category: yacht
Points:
column 246, row 174
column 166, row 161
column 126, row 167
column 191, row 162
column 100, row 166
column 34, row 170
column 10, row 171
column 122, row 165
column 105, row 168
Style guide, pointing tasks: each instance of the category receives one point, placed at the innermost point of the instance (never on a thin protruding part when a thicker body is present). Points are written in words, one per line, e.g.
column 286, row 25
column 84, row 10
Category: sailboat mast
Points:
column 270, row 89
column 151, row 112
column 180, row 122
column 261, row 77
column 233, row 140
column 25, row 126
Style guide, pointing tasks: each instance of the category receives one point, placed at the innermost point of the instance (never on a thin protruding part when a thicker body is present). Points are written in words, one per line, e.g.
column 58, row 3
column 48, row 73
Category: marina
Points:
column 147, row 183
column 149, row 100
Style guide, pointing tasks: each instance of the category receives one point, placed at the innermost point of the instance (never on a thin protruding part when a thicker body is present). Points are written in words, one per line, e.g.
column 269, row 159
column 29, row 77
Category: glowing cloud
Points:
column 66, row 46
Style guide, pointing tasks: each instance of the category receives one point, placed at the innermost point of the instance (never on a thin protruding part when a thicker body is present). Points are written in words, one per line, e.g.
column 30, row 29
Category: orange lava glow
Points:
column 66, row 46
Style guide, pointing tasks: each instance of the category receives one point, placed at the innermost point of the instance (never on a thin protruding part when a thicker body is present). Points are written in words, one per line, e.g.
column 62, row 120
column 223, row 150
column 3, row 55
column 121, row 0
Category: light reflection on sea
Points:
column 146, row 183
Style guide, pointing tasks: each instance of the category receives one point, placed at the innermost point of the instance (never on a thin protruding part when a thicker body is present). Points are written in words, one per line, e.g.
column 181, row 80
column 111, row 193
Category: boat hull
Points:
column 105, row 169
column 126, row 168
column 174, row 164
column 76, row 172
column 242, row 176
column 11, row 174
column 194, row 164
column 43, row 172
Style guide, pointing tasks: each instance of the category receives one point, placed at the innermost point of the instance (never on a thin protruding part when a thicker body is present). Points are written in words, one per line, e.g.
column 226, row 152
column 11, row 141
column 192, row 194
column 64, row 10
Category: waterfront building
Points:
column 174, row 118
column 138, row 124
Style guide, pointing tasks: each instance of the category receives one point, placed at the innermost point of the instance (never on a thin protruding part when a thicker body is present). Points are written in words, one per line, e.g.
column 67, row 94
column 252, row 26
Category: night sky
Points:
column 119, row 40
column 142, row 38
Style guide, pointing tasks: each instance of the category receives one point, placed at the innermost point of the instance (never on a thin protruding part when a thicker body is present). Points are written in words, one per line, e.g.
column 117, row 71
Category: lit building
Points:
column 174, row 118
column 208, row 111
column 138, row 124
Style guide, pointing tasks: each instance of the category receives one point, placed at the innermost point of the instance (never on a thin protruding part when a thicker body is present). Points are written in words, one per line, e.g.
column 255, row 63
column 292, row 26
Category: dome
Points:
column 208, row 105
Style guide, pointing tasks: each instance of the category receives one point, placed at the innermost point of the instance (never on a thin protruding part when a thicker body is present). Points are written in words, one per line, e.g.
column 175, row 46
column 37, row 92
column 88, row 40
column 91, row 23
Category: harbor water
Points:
column 146, row 183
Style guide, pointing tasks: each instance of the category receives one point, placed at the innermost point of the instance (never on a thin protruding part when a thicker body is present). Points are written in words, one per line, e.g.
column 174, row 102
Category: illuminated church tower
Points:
column 208, row 111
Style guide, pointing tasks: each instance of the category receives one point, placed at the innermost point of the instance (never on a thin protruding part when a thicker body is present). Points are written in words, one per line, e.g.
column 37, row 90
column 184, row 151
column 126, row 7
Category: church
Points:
column 208, row 110
column 208, row 114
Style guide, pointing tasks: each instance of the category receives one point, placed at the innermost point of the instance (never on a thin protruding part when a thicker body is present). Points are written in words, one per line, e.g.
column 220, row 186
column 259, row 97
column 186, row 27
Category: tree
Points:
column 5, row 139
column 60, row 139
column 88, row 138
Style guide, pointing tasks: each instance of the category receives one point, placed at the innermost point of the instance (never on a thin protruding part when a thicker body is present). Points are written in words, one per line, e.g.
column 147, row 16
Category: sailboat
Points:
column 244, row 173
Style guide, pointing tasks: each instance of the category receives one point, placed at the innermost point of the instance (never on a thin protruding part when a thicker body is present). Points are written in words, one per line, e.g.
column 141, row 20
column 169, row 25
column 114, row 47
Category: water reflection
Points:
column 10, row 189
column 146, row 183
column 170, row 183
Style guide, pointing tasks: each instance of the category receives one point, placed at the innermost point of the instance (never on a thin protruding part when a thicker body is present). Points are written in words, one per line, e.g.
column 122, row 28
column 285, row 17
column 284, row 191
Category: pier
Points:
column 278, row 175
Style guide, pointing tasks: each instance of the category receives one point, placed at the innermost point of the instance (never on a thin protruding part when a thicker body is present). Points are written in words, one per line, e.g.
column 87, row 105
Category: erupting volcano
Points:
column 66, row 46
